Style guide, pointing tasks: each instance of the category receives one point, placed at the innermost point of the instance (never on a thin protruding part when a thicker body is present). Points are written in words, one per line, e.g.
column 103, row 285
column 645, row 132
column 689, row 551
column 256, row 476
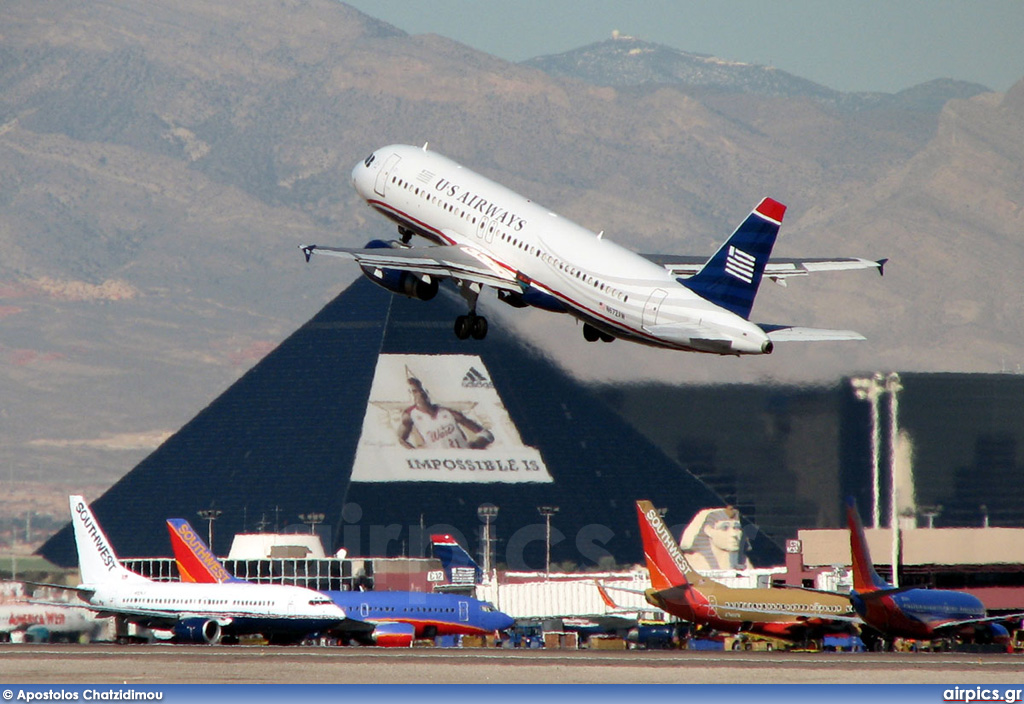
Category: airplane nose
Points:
column 355, row 173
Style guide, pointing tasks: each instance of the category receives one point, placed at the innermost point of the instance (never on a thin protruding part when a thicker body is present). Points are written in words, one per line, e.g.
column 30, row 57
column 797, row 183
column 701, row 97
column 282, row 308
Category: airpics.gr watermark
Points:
column 981, row 694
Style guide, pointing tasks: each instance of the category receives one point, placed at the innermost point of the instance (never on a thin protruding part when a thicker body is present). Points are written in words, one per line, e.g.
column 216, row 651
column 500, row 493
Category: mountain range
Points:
column 160, row 165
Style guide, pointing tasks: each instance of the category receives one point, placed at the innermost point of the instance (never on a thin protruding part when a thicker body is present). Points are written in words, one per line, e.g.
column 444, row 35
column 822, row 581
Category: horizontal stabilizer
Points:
column 789, row 333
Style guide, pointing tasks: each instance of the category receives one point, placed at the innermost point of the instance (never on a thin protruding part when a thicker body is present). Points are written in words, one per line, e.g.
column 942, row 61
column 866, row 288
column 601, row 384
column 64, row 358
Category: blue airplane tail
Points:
column 731, row 277
column 459, row 567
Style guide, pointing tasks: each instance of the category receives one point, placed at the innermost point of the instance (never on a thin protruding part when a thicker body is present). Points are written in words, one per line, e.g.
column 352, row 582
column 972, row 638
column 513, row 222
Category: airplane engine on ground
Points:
column 198, row 630
column 421, row 286
column 394, row 635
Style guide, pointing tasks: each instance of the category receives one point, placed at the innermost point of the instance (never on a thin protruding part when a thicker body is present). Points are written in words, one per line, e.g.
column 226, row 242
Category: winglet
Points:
column 196, row 563
column 865, row 578
column 308, row 250
column 608, row 601
column 665, row 561
column 881, row 266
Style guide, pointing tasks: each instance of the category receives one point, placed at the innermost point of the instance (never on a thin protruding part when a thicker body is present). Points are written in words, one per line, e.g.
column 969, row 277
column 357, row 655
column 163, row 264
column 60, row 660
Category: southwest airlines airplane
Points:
column 194, row 613
column 910, row 612
column 483, row 234
column 678, row 589
column 395, row 619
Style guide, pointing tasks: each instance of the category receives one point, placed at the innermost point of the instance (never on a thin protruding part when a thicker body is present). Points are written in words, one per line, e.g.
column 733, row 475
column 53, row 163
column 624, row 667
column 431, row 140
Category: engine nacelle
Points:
column 197, row 630
column 406, row 283
column 394, row 635
column 532, row 297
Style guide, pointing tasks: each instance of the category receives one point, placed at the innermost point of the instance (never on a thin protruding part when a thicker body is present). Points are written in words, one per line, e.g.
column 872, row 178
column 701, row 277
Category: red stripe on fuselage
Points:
column 408, row 219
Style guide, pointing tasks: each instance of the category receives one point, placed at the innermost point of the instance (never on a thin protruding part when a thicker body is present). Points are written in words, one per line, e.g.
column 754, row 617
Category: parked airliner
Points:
column 397, row 618
column 678, row 589
column 918, row 613
column 484, row 234
column 194, row 613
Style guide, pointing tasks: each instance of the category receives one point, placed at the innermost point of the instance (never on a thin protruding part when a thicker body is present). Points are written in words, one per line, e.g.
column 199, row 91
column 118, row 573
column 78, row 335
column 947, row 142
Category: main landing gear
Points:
column 471, row 325
column 592, row 334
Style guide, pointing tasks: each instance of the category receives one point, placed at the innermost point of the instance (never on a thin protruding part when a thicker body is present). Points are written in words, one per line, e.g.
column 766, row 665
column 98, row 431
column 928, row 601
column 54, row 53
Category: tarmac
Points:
column 184, row 664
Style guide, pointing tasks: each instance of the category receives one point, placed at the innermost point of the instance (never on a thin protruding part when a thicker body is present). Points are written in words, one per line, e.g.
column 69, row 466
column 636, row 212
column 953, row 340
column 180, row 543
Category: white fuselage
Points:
column 594, row 279
column 275, row 602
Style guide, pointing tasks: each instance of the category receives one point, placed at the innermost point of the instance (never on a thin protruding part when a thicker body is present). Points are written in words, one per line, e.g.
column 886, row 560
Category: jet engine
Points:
column 421, row 286
column 197, row 630
column 394, row 635
column 533, row 297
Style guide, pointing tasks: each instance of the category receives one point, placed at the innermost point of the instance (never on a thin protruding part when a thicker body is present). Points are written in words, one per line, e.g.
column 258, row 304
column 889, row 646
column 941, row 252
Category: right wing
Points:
column 454, row 261
column 777, row 270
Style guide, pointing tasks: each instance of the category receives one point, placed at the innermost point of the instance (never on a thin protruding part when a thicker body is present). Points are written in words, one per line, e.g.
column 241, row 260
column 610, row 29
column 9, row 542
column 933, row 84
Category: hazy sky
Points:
column 849, row 45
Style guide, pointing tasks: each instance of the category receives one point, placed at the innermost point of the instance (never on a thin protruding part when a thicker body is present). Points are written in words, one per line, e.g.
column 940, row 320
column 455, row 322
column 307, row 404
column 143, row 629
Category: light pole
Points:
column 210, row 515
column 312, row 520
column 487, row 513
column 869, row 389
column 547, row 512
column 893, row 387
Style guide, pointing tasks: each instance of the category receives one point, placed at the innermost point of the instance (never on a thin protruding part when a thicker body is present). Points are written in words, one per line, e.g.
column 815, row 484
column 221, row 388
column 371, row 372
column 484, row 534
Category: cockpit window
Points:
column 369, row 160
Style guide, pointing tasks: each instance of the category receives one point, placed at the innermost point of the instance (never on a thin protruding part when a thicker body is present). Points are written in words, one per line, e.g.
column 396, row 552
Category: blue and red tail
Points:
column 865, row 579
column 196, row 563
column 731, row 277
column 459, row 567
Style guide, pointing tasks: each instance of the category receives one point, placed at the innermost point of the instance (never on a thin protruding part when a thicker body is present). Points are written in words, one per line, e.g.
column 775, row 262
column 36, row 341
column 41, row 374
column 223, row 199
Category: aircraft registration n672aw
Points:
column 484, row 234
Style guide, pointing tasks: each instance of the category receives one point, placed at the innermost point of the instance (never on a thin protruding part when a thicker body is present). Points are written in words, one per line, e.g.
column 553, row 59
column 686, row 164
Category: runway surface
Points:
column 182, row 664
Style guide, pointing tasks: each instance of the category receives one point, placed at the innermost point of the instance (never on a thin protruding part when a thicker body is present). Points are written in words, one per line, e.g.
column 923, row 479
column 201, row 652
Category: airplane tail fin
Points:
column 459, row 567
column 865, row 578
column 196, row 562
column 665, row 561
column 97, row 562
column 731, row 277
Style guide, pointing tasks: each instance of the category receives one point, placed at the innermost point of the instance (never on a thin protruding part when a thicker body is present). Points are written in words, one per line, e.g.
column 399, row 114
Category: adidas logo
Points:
column 476, row 380
column 740, row 265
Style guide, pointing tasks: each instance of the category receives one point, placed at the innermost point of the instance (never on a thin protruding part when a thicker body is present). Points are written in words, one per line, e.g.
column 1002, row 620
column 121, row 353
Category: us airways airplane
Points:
column 395, row 619
column 678, row 589
column 483, row 234
column 908, row 612
column 194, row 613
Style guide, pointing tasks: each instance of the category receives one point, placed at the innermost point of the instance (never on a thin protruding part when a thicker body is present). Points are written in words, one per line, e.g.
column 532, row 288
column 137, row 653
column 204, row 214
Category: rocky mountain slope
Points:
column 158, row 169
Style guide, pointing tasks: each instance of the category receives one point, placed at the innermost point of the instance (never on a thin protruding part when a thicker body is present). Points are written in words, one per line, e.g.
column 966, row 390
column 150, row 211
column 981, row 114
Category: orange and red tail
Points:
column 665, row 561
column 196, row 563
column 865, row 579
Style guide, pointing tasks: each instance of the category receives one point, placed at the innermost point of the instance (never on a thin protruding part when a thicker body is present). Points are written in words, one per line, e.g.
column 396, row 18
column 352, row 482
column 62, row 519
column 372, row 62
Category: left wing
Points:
column 778, row 270
column 791, row 333
column 455, row 261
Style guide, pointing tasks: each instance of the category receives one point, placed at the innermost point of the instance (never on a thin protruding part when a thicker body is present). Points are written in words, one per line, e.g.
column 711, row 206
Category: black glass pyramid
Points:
column 282, row 440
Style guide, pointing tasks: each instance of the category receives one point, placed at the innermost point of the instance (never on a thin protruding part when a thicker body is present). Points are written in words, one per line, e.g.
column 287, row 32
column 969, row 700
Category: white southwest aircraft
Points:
column 194, row 613
column 484, row 234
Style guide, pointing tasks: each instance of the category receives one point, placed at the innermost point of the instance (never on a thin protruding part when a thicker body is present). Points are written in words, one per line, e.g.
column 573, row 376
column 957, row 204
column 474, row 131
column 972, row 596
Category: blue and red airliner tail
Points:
column 398, row 618
column 459, row 567
column 909, row 612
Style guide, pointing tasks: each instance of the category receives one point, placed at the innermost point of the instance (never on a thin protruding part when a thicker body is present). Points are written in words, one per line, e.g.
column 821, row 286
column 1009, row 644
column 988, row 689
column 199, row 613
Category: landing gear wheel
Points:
column 462, row 327
column 590, row 333
column 479, row 327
